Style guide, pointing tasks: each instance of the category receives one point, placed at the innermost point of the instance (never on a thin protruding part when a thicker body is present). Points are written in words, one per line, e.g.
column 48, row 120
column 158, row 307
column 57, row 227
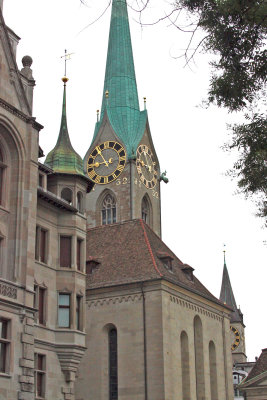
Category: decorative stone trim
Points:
column 13, row 110
column 115, row 300
column 193, row 307
column 8, row 291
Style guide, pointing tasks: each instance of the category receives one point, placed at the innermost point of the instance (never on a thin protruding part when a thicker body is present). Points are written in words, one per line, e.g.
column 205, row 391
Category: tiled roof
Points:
column 227, row 296
column 122, row 105
column 259, row 367
column 131, row 252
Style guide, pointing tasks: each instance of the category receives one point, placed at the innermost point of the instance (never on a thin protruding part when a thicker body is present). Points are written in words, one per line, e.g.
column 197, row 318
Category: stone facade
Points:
column 60, row 298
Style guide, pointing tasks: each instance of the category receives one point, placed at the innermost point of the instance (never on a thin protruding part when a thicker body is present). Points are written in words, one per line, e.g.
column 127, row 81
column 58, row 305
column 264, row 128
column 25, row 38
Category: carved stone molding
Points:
column 193, row 307
column 8, row 291
column 115, row 300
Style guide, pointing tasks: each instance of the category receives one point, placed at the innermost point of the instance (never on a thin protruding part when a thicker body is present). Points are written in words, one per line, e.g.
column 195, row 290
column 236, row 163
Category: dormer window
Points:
column 188, row 271
column 166, row 260
column 91, row 266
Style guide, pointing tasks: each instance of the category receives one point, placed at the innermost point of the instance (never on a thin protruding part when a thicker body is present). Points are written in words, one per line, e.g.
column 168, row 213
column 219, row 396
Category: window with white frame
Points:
column 64, row 310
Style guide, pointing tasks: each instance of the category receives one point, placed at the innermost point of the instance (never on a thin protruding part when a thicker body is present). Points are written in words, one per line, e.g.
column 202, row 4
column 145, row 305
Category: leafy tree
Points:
column 236, row 31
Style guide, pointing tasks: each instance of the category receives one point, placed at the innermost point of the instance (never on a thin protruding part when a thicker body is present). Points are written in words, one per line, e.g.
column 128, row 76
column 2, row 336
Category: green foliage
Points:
column 236, row 31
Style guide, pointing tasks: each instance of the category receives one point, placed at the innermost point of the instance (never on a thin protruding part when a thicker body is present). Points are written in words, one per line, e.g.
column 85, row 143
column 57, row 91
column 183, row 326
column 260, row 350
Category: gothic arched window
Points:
column 80, row 202
column 2, row 171
column 145, row 210
column 113, row 364
column 66, row 194
column 108, row 210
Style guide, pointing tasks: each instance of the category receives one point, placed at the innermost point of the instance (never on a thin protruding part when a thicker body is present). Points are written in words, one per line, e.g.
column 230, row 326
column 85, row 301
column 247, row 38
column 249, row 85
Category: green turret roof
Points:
column 227, row 296
column 122, row 104
column 63, row 158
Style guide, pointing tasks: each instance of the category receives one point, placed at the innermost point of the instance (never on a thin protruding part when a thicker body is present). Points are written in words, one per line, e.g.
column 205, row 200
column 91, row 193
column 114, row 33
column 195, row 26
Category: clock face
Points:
column 146, row 166
column 106, row 162
column 235, row 337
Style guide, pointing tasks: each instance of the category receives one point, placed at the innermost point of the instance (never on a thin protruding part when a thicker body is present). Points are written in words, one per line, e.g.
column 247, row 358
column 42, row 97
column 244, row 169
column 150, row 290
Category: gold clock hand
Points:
column 100, row 153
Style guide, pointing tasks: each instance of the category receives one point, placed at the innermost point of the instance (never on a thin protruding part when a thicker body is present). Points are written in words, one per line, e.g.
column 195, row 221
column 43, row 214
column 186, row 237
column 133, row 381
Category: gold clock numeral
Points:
column 120, row 168
column 97, row 179
column 106, row 145
column 105, row 180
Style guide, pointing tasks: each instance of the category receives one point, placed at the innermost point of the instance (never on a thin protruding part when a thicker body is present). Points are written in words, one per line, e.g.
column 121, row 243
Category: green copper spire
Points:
column 63, row 158
column 120, row 97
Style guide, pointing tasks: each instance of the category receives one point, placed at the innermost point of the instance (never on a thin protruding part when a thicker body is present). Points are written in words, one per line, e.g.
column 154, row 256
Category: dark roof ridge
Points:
column 94, row 228
column 149, row 247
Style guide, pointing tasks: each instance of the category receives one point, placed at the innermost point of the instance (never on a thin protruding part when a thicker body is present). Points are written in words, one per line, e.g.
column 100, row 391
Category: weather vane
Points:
column 66, row 57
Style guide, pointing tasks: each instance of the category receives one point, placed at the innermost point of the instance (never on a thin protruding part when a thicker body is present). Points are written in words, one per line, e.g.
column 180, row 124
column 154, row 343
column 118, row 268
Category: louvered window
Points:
column 65, row 251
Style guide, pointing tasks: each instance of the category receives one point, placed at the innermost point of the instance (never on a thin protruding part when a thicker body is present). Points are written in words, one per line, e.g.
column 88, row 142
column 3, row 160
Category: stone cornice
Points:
column 13, row 110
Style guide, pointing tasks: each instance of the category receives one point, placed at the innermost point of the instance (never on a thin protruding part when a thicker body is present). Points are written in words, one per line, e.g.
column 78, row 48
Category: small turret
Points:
column 63, row 158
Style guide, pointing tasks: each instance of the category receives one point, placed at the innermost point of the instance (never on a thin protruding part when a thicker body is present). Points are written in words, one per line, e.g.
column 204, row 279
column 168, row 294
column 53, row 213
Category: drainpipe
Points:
column 145, row 347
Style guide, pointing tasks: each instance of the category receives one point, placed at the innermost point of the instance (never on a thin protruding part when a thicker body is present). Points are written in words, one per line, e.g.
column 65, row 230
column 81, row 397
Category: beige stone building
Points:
column 93, row 305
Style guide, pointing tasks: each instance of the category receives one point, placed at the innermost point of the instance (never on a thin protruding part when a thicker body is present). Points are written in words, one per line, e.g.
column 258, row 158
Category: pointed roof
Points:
column 63, row 158
column 122, row 104
column 259, row 368
column 227, row 295
column 142, row 257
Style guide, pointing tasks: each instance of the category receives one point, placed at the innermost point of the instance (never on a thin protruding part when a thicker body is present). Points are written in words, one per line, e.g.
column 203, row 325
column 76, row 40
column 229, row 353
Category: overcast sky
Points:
column 200, row 210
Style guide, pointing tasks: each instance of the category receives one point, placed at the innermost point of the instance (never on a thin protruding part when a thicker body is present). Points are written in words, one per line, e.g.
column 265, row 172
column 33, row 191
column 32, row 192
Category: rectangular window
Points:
column 41, row 180
column 65, row 251
column 78, row 313
column 39, row 375
column 64, row 310
column 41, row 244
column 40, row 304
column 4, row 345
column 79, row 249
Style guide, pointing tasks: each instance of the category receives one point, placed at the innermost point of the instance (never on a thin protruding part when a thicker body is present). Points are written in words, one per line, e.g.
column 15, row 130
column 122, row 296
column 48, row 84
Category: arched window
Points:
column 80, row 202
column 113, row 364
column 185, row 366
column 108, row 210
column 2, row 171
column 66, row 194
column 213, row 371
column 145, row 210
column 199, row 358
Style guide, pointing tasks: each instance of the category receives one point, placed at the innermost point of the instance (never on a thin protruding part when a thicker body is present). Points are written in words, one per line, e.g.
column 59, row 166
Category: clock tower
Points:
column 237, row 326
column 121, row 159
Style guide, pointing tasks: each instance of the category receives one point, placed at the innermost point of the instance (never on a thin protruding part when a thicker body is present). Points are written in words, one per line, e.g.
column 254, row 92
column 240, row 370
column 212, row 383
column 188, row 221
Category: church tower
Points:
column 237, row 325
column 121, row 159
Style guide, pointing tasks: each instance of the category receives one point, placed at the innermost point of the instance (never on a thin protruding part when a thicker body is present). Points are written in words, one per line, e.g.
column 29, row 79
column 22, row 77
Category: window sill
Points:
column 3, row 208
column 5, row 375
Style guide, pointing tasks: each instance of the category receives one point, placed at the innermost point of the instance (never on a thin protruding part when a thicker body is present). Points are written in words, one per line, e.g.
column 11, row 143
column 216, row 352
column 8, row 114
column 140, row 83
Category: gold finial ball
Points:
column 107, row 94
column 144, row 98
column 65, row 79
column 97, row 111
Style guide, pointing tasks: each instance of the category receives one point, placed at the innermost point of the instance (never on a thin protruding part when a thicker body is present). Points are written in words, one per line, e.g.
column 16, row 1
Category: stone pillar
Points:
column 26, row 363
column 1, row 4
